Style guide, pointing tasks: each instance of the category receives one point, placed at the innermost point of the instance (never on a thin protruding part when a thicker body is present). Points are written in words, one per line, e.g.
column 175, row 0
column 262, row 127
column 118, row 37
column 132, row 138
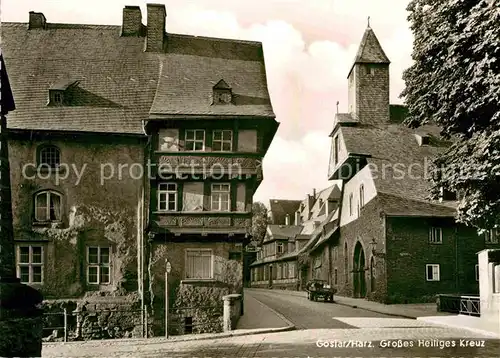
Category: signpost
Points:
column 168, row 268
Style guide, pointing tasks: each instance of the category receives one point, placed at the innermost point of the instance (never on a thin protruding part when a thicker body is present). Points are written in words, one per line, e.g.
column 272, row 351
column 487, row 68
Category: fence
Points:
column 469, row 305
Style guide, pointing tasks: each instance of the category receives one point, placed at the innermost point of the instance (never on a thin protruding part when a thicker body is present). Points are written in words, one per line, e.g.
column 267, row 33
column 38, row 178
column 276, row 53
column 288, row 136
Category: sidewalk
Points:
column 476, row 324
column 258, row 315
column 411, row 311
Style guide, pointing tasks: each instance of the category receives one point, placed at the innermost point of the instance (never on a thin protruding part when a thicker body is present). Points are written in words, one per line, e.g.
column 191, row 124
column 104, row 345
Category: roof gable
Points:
column 222, row 85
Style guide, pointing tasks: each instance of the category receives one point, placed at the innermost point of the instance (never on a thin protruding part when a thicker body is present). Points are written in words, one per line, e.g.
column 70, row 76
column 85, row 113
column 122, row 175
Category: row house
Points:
column 278, row 263
column 132, row 147
column 393, row 244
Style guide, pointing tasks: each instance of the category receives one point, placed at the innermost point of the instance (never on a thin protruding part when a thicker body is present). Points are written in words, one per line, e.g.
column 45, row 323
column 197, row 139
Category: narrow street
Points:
column 323, row 330
column 305, row 314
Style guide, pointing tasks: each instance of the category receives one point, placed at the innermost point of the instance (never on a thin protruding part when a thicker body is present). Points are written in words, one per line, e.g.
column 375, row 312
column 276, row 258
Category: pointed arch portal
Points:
column 359, row 263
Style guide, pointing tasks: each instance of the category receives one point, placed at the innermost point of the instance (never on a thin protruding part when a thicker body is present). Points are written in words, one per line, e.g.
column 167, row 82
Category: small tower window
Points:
column 222, row 93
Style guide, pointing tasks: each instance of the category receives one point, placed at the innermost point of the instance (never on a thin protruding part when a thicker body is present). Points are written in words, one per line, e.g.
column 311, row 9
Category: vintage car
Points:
column 320, row 289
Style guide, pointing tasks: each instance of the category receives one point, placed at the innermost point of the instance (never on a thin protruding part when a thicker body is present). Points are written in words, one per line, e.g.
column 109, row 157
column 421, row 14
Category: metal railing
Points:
column 469, row 305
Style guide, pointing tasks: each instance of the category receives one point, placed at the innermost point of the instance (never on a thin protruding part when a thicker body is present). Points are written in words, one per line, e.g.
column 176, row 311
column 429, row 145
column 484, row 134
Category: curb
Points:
column 374, row 310
column 161, row 340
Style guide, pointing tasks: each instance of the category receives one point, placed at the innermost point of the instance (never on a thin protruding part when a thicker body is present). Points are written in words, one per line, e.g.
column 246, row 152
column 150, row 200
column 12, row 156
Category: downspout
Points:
column 144, row 224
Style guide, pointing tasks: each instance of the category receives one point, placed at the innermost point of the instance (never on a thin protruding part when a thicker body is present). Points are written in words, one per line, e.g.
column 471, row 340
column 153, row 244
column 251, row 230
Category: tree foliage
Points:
column 454, row 82
column 260, row 219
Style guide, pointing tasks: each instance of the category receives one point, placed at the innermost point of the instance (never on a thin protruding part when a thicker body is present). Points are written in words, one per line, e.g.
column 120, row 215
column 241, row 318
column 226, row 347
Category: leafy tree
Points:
column 260, row 219
column 455, row 83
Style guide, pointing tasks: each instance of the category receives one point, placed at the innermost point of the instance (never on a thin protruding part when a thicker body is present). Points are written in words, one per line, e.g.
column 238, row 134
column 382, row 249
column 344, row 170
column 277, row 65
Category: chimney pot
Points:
column 287, row 219
column 37, row 20
column 156, row 27
column 314, row 193
column 132, row 21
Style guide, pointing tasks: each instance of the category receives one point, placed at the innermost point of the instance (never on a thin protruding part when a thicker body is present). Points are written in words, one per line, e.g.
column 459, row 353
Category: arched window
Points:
column 49, row 156
column 351, row 209
column 48, row 206
column 361, row 195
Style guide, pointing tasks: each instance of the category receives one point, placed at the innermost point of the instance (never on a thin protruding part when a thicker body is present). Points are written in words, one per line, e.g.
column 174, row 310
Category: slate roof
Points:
column 400, row 166
column 284, row 231
column 120, row 84
column 369, row 50
column 280, row 208
column 397, row 206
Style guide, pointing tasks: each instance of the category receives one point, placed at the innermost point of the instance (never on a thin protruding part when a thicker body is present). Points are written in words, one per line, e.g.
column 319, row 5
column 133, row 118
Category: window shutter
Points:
column 180, row 189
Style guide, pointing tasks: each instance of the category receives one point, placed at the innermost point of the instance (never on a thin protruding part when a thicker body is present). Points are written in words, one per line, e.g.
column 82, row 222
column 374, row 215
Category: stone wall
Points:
column 369, row 226
column 94, row 212
column 97, row 317
column 201, row 301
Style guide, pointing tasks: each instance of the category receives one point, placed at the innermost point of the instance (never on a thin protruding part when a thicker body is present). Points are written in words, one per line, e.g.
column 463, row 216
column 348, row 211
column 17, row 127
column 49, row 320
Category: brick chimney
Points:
column 37, row 21
column 132, row 21
column 156, row 27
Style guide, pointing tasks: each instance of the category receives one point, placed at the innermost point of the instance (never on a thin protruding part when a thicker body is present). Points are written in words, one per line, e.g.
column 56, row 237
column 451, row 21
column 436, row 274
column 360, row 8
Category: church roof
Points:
column 370, row 50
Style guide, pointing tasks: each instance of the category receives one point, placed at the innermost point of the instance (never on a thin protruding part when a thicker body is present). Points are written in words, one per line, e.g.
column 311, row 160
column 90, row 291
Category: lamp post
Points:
column 20, row 320
column 168, row 268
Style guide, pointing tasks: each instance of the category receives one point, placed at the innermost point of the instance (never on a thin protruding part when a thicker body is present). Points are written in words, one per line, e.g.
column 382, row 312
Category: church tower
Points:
column 368, row 78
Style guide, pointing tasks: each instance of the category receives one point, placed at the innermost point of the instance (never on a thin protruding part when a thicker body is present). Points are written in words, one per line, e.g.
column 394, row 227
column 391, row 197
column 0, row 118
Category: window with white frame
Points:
column 432, row 272
column 195, row 140
column 435, row 235
column 30, row 263
column 476, row 268
column 279, row 248
column 491, row 236
column 98, row 265
column 221, row 197
column 48, row 206
column 199, row 264
column 49, row 157
column 222, row 140
column 167, row 197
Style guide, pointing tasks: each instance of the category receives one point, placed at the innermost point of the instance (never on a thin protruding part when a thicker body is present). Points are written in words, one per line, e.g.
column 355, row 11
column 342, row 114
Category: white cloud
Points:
column 308, row 46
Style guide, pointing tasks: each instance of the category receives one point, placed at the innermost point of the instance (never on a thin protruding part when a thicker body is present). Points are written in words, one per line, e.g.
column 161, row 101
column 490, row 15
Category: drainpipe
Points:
column 144, row 223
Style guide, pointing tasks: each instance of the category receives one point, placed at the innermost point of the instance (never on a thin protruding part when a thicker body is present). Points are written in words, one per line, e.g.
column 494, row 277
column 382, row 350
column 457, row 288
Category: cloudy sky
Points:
column 309, row 47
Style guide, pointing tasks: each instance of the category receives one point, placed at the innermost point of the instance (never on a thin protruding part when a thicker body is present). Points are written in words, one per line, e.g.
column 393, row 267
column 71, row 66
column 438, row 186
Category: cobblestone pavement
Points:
column 381, row 340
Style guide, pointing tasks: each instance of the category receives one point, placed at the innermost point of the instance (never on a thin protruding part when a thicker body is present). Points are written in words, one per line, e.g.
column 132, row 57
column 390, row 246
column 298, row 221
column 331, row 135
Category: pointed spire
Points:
column 370, row 50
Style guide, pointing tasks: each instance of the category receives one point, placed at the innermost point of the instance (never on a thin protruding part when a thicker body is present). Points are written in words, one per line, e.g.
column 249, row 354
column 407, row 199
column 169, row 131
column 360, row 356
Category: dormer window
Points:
column 59, row 92
column 58, row 97
column 222, row 93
